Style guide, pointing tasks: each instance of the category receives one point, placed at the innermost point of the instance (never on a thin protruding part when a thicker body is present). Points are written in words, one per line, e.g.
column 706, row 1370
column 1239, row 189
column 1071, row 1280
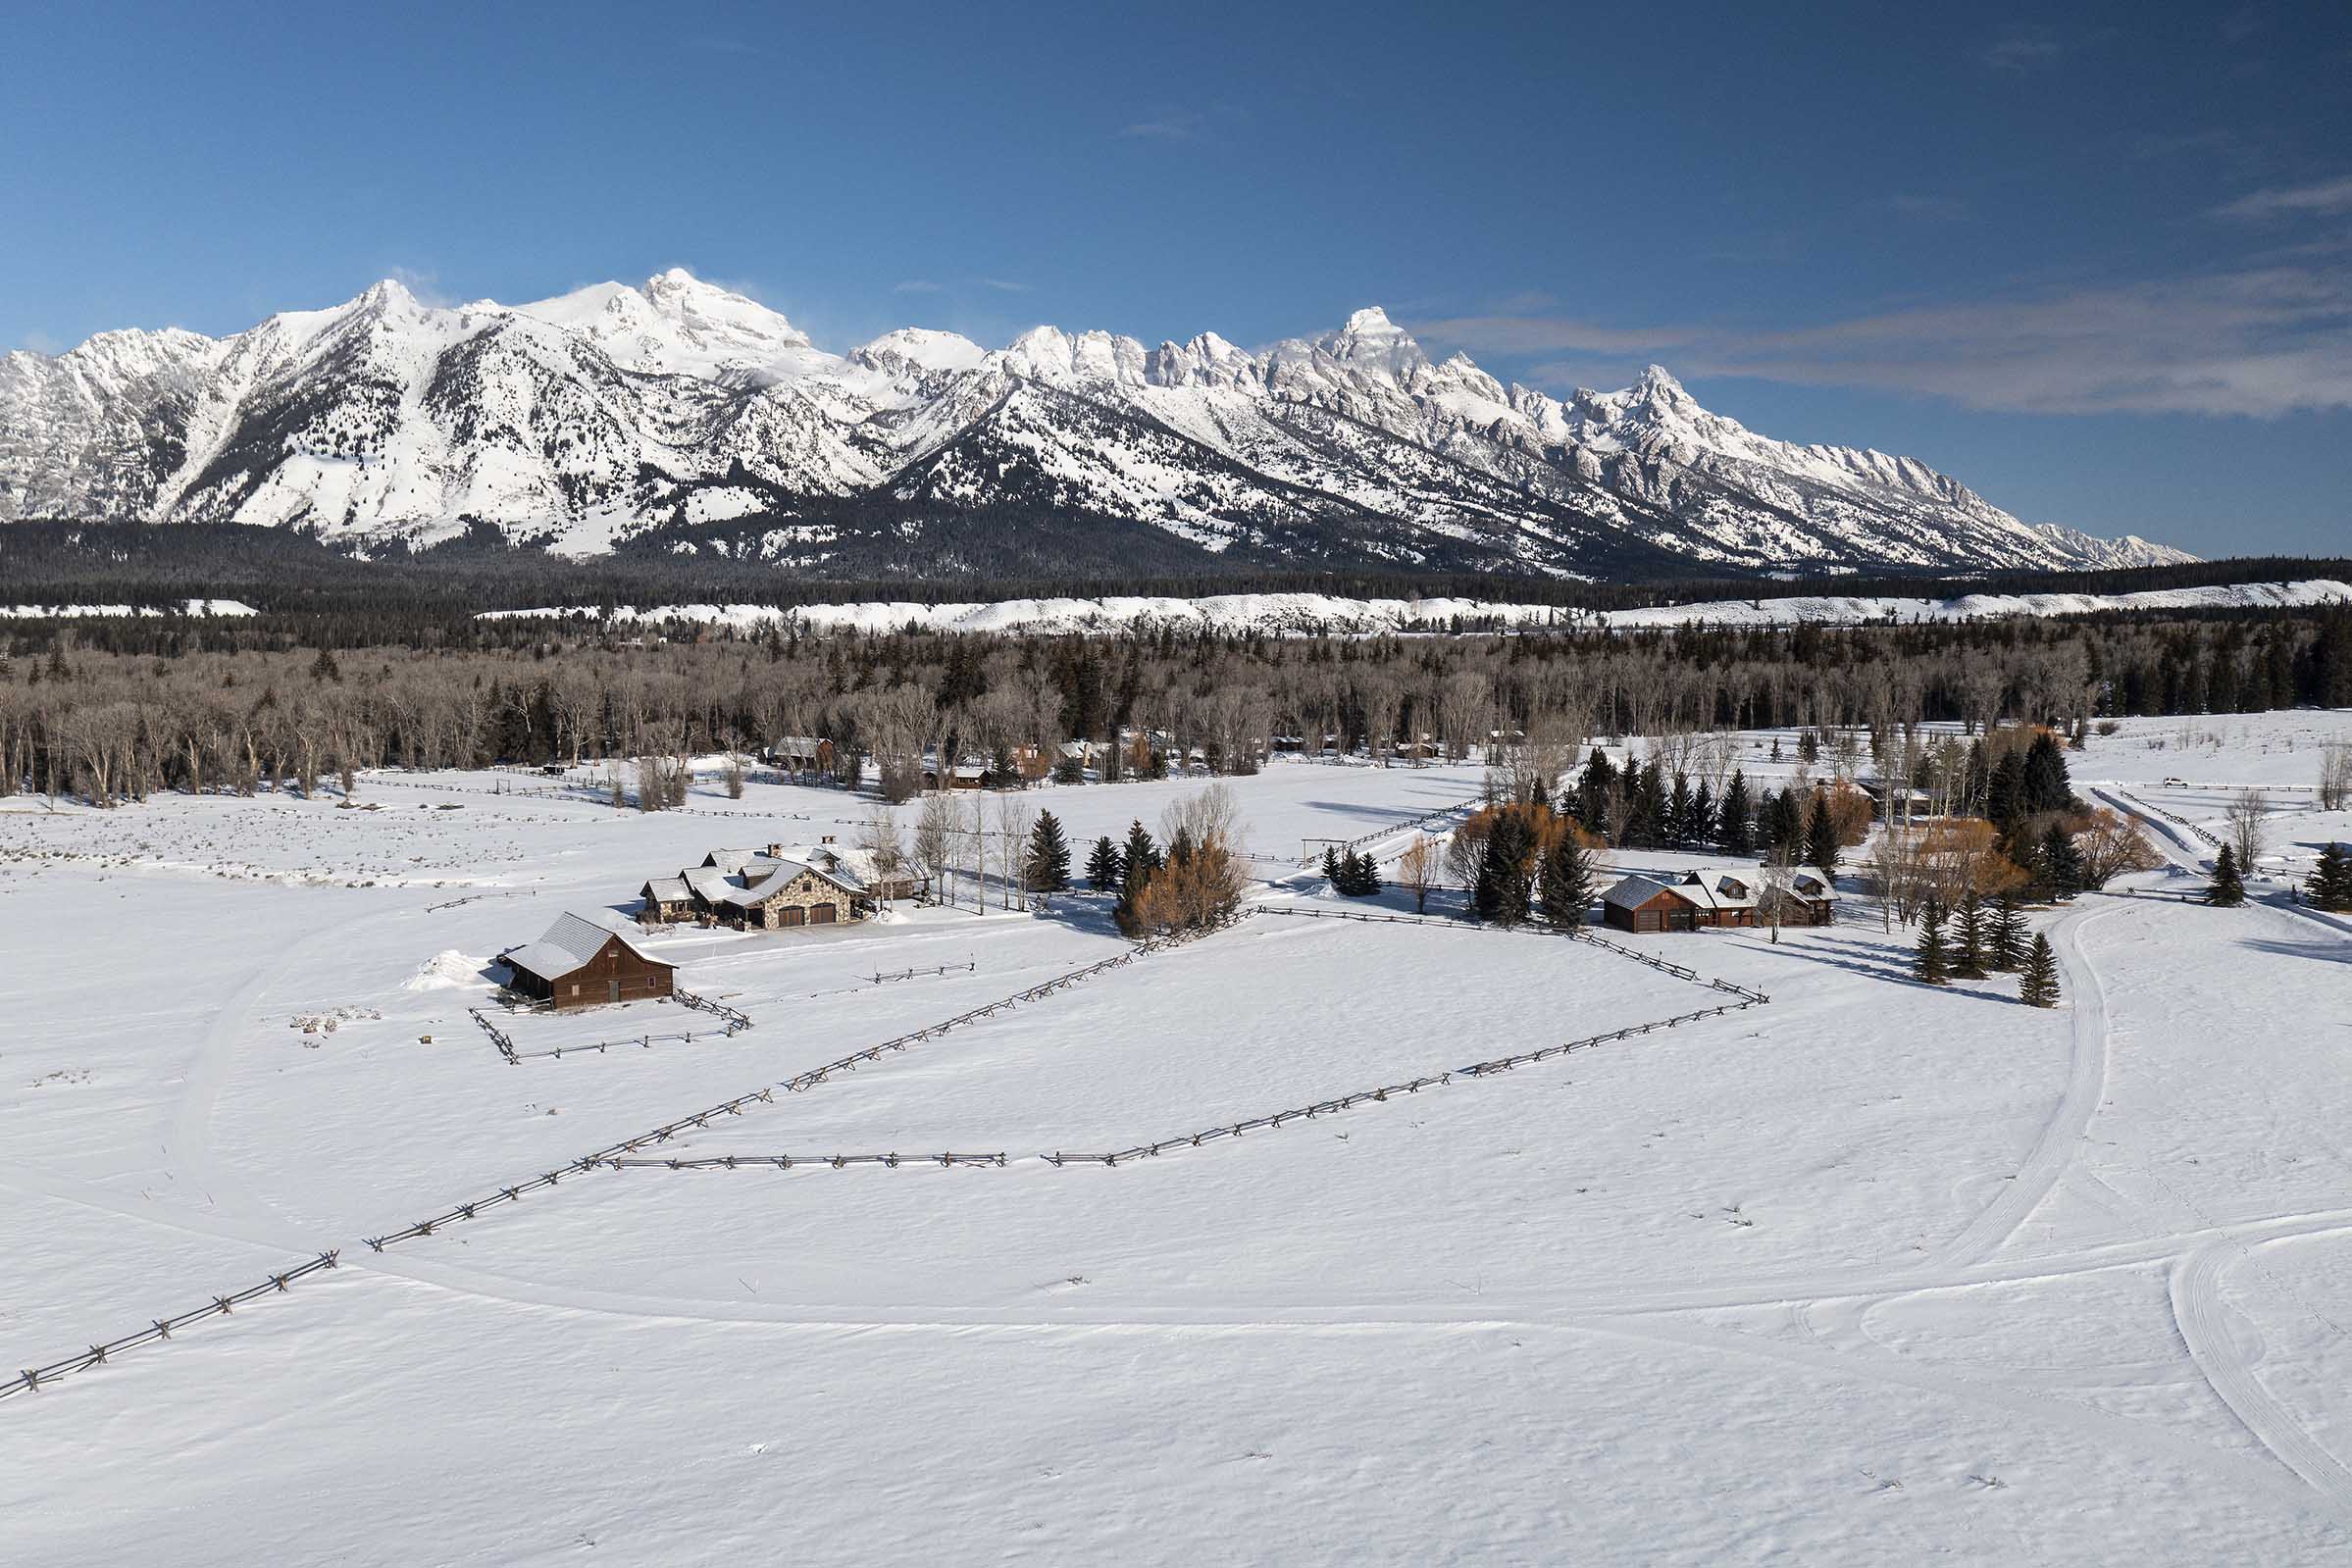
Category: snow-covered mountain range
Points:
column 681, row 417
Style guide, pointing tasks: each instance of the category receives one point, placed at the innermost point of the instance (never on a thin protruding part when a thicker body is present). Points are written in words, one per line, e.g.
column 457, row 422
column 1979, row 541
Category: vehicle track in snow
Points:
column 2203, row 1320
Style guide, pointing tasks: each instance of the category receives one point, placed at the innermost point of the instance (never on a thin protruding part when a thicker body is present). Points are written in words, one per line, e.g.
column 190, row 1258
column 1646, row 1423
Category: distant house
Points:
column 801, row 754
column 579, row 963
column 1713, row 900
column 970, row 774
column 779, row 887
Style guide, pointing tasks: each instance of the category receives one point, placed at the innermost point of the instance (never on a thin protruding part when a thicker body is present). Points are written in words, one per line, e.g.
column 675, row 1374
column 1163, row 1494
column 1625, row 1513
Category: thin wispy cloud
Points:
column 1005, row 286
column 2262, row 340
column 2023, row 48
column 1167, row 127
column 2330, row 198
column 915, row 285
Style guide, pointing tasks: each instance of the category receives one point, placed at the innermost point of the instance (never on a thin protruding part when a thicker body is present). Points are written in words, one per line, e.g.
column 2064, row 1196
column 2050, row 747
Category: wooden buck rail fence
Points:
column 732, row 1022
column 881, row 978
column 1425, row 818
column 787, row 1162
column 33, row 1379
column 2173, row 817
column 1500, row 1064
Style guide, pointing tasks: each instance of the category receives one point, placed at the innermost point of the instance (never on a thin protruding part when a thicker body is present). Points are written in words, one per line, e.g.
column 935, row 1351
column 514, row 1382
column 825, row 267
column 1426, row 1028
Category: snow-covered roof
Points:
column 1809, row 885
column 668, row 889
column 568, row 945
column 1636, row 890
column 1711, row 888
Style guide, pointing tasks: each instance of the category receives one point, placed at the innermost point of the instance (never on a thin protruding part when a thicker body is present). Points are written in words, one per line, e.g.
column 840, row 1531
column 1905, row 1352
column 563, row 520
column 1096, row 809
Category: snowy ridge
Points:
column 1324, row 613
column 585, row 420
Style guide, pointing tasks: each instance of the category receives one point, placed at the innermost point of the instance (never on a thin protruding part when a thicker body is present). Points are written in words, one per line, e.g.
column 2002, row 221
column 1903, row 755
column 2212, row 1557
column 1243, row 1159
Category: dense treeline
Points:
column 218, row 706
column 394, row 591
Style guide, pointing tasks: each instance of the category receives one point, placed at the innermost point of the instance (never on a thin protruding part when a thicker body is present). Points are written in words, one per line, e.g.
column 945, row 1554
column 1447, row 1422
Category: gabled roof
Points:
column 568, row 945
column 1812, row 884
column 1636, row 890
column 668, row 889
column 1711, row 888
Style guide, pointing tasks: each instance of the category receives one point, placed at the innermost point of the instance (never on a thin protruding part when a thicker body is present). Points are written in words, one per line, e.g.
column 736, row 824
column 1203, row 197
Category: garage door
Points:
column 820, row 914
column 791, row 915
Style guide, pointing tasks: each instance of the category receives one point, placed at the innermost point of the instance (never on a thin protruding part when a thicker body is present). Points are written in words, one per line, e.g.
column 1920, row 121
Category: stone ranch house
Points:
column 774, row 890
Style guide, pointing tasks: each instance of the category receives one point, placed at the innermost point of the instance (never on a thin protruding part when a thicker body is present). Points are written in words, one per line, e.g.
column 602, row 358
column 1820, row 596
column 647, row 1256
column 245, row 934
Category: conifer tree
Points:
column 2037, row 985
column 2043, row 778
column 1968, row 937
column 2330, row 882
column 1363, row 876
column 2228, row 889
column 1565, row 884
column 2057, row 864
column 1930, row 963
column 1503, row 889
column 1333, row 872
column 1677, row 812
column 1141, row 854
column 1049, row 859
column 2008, row 934
column 1733, row 833
column 1103, row 867
column 1820, row 837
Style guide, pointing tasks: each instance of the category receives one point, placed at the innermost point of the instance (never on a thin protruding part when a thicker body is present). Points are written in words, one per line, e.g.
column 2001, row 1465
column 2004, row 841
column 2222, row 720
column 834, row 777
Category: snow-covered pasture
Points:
column 1877, row 1272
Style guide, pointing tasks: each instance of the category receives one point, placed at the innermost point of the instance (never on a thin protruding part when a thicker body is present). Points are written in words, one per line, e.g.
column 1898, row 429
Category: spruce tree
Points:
column 1502, row 888
column 2005, row 794
column 1363, row 876
column 2037, row 986
column 1141, row 854
column 1333, row 872
column 2057, row 864
column 2009, row 933
column 1969, row 938
column 2228, row 889
column 1103, row 867
column 1732, row 815
column 1565, row 884
column 1930, row 963
column 2043, row 778
column 2330, row 882
column 1049, row 858
column 1820, row 837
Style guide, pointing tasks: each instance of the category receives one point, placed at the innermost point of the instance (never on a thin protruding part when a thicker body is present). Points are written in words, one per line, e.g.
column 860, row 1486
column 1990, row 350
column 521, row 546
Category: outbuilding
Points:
column 579, row 963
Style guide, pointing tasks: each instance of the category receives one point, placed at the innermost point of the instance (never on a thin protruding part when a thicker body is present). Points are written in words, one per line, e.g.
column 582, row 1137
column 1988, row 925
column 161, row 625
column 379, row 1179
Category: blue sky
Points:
column 2094, row 261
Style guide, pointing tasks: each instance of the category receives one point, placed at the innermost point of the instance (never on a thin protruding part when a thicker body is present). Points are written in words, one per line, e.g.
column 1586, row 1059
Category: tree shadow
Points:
column 1811, row 952
column 2325, row 952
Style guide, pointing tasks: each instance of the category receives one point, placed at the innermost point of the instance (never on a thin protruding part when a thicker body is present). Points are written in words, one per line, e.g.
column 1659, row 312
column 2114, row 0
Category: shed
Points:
column 664, row 899
column 579, row 963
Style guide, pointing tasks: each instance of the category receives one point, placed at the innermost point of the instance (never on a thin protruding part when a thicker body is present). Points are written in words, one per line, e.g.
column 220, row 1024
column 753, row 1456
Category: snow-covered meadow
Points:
column 1876, row 1271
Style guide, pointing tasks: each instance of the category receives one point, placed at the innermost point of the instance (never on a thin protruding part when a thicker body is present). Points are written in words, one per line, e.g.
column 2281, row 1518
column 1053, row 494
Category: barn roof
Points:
column 568, row 945
column 1636, row 890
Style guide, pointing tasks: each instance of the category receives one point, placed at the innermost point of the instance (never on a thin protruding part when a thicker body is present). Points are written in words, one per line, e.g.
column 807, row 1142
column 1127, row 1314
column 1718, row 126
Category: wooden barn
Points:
column 579, row 963
column 1811, row 900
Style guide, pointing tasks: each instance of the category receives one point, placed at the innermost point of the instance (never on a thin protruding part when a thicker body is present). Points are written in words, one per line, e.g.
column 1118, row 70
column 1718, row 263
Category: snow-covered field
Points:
column 1321, row 612
column 1874, row 1273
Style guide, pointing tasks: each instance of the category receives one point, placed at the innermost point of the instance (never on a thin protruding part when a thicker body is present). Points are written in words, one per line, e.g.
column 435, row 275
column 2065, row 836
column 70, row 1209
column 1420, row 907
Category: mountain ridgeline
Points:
column 678, row 419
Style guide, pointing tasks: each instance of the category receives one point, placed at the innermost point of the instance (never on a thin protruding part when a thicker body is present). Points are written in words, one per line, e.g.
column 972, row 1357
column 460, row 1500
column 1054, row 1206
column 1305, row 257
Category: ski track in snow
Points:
column 2206, row 1325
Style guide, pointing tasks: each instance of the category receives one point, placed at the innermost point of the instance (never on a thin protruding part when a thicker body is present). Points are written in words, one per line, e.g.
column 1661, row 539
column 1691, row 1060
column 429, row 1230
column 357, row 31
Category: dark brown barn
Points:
column 579, row 963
